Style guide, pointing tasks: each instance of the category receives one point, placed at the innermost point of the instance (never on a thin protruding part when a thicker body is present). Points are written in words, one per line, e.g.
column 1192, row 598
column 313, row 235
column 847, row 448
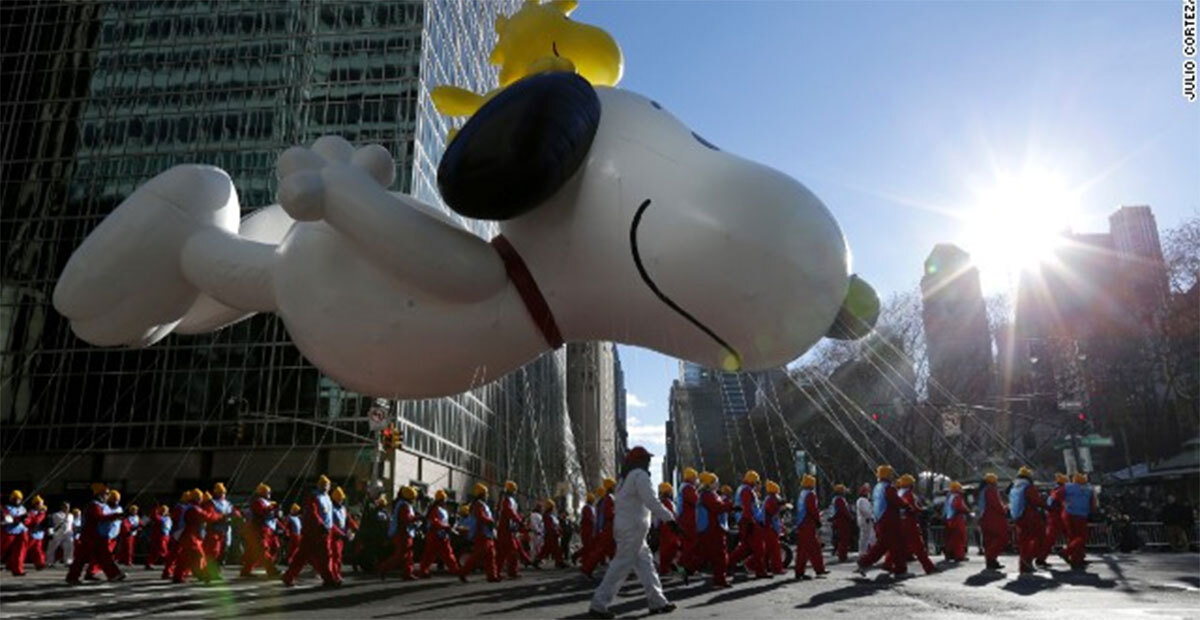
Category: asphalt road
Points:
column 1144, row 585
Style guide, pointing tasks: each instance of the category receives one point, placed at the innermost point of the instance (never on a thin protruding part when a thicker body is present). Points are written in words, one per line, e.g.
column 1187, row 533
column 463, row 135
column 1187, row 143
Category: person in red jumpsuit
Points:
column 483, row 537
column 437, row 538
column 315, row 534
column 843, row 522
column 191, row 559
column 509, row 551
column 889, row 540
column 218, row 537
column 92, row 547
column 772, row 529
column 587, row 523
column 686, row 499
column 176, row 514
column 954, row 513
column 160, row 532
column 603, row 543
column 552, row 537
column 1079, row 502
column 131, row 525
column 14, row 536
column 1025, row 506
column 808, row 521
column 993, row 521
column 401, row 530
column 339, row 535
column 33, row 548
column 910, row 526
column 258, row 534
column 668, row 541
column 293, row 526
column 712, row 524
column 1054, row 518
column 749, row 547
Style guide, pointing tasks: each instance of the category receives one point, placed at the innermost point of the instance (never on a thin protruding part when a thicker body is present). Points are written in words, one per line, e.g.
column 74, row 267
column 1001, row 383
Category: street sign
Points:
column 377, row 417
column 951, row 423
column 1091, row 441
column 1070, row 405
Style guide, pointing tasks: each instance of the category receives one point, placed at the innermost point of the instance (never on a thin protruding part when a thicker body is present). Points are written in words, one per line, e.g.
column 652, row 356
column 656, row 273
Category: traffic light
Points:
column 393, row 438
column 1084, row 423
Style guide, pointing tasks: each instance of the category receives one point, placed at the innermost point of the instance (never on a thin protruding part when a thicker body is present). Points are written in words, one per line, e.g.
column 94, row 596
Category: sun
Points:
column 1017, row 223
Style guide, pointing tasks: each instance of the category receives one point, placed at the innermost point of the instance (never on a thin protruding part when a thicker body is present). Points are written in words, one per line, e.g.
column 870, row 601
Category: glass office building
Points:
column 102, row 96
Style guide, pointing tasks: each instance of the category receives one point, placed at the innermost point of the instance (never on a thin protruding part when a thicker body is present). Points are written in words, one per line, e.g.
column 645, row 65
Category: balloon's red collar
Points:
column 527, row 287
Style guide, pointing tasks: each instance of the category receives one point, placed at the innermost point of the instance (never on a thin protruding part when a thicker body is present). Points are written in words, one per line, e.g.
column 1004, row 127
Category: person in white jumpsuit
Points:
column 537, row 530
column 634, row 503
column 866, row 520
column 62, row 534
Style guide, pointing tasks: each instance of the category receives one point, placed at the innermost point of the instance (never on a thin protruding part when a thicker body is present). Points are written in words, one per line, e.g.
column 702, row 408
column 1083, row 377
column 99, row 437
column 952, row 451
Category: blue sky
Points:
column 899, row 114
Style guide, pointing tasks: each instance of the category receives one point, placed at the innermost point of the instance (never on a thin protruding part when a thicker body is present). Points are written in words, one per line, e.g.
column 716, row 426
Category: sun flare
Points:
column 1018, row 223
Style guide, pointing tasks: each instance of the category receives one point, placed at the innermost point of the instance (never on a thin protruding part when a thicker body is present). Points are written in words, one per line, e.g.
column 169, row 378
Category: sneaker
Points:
column 119, row 577
column 665, row 609
column 596, row 613
column 91, row 577
column 74, row 582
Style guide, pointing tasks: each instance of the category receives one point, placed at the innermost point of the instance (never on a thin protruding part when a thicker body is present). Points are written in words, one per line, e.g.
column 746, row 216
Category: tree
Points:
column 1181, row 252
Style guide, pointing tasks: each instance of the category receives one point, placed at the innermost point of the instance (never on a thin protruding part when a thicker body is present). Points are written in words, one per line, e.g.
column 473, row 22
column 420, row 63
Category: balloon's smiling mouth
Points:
column 736, row 357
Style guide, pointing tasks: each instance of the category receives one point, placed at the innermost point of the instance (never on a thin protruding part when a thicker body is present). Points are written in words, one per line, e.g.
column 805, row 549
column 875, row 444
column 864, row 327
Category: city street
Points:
column 1114, row 586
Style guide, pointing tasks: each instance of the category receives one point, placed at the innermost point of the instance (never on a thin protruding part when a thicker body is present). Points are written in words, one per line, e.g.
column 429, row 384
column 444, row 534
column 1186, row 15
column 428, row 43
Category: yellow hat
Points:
column 114, row 495
column 439, row 495
column 1060, row 478
column 218, row 489
column 905, row 481
column 338, row 495
column 989, row 478
column 16, row 496
column 609, row 483
column 133, row 508
column 207, row 497
column 1079, row 478
column 550, row 505
column 37, row 501
column 808, row 482
column 885, row 472
column 839, row 488
column 726, row 489
column 464, row 510
column 295, row 508
column 408, row 493
column 708, row 478
column 262, row 489
column 664, row 487
column 956, row 486
column 323, row 479
column 689, row 474
column 162, row 510
column 510, row 486
column 186, row 497
column 751, row 477
column 479, row 490
column 772, row 486
column 591, row 497
column 1025, row 472
column 98, row 488
column 599, row 492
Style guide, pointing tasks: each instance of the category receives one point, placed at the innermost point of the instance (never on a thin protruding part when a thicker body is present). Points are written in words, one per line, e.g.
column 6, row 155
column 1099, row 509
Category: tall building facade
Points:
column 957, row 341
column 593, row 404
column 111, row 94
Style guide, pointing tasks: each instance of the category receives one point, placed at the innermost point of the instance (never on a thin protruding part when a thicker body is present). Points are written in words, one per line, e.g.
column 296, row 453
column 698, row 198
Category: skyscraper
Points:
column 112, row 93
column 958, row 344
column 592, row 406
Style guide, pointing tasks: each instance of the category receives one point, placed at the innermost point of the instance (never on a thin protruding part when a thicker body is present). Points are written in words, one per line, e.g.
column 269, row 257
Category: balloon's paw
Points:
column 301, row 186
column 125, row 285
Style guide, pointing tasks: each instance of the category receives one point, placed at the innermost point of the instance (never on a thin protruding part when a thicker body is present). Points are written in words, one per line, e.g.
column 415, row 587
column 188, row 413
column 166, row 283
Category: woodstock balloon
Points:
column 617, row 222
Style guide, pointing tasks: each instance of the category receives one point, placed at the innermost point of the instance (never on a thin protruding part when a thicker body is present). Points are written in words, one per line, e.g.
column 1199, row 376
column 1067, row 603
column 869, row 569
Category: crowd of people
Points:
column 701, row 526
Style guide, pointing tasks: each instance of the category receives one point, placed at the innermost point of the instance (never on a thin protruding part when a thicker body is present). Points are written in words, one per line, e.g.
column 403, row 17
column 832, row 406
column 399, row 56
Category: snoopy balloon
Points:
column 617, row 222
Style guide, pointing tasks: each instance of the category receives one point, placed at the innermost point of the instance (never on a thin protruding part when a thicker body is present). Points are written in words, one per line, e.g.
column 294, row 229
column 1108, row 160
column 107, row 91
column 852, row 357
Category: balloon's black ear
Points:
column 520, row 147
column 860, row 310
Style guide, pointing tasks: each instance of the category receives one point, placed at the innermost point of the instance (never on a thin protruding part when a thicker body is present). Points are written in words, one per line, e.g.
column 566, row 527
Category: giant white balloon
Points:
column 655, row 238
